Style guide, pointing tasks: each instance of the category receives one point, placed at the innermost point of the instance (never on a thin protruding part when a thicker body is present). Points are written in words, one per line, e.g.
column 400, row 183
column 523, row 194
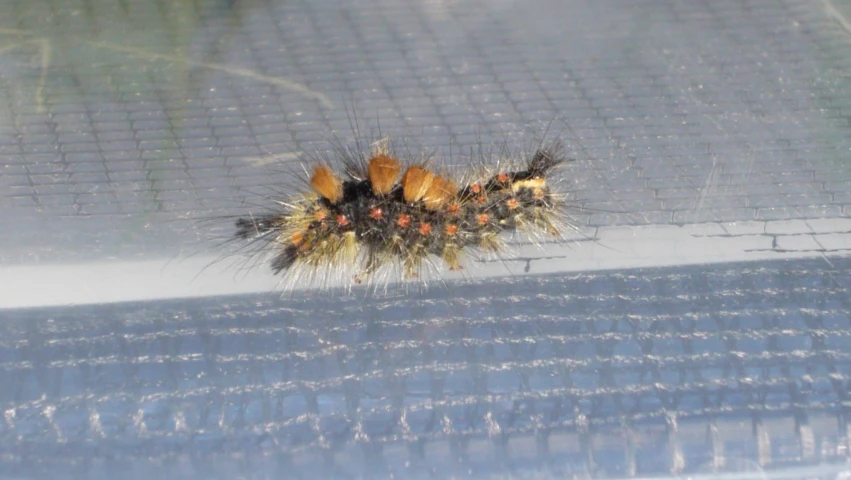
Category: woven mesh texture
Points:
column 699, row 369
column 118, row 118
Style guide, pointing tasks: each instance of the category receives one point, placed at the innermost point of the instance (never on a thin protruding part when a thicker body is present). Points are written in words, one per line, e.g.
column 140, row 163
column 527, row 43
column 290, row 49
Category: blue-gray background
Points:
column 121, row 120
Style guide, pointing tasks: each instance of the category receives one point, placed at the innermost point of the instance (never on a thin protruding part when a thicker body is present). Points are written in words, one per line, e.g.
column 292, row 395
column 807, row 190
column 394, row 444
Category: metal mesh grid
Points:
column 699, row 369
column 119, row 118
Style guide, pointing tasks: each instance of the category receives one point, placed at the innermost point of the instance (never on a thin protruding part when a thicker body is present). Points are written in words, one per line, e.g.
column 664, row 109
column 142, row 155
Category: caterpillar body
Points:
column 381, row 212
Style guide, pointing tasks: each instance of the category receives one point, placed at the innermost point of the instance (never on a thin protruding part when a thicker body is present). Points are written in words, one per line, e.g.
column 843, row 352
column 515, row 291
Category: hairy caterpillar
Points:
column 382, row 211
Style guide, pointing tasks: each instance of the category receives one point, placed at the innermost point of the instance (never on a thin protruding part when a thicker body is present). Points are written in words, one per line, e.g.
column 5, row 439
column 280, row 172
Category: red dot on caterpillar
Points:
column 376, row 213
column 403, row 221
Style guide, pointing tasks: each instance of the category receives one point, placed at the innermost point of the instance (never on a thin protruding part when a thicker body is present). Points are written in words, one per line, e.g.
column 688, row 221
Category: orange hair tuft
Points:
column 415, row 183
column 383, row 172
column 439, row 193
column 327, row 184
